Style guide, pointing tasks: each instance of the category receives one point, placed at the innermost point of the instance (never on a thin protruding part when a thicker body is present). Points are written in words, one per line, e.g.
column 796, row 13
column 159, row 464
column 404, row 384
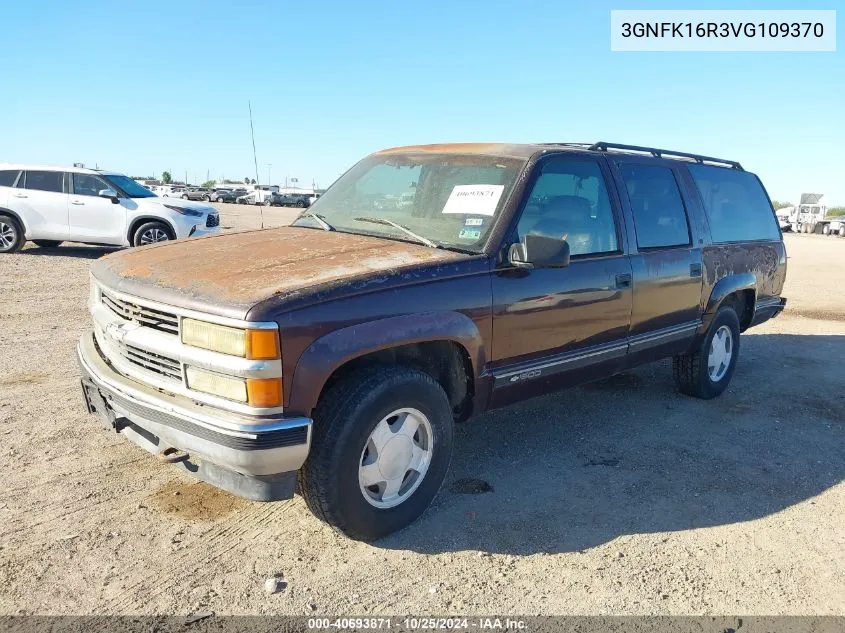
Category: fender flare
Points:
column 17, row 216
column 325, row 355
column 724, row 287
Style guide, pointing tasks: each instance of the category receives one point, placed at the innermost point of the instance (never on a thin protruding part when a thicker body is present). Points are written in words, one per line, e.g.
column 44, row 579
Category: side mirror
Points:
column 539, row 251
column 109, row 193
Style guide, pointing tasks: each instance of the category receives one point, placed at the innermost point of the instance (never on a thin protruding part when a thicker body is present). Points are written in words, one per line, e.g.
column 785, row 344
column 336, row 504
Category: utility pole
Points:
column 255, row 160
column 269, row 165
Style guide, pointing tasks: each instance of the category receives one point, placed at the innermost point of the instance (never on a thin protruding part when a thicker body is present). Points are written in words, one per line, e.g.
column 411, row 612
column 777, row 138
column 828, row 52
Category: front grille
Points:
column 149, row 317
column 213, row 220
column 156, row 363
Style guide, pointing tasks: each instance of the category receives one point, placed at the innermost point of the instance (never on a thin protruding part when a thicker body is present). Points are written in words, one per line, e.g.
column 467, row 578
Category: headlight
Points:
column 257, row 392
column 252, row 344
column 184, row 211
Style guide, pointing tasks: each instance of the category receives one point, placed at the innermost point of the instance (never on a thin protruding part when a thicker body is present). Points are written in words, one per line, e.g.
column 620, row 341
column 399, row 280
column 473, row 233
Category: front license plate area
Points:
column 97, row 406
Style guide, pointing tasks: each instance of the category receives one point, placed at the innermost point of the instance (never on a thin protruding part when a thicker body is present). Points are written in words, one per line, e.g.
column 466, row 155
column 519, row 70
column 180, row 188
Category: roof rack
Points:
column 603, row 146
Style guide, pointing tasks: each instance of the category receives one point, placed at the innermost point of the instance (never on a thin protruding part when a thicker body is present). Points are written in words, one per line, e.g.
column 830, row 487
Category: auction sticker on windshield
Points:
column 474, row 199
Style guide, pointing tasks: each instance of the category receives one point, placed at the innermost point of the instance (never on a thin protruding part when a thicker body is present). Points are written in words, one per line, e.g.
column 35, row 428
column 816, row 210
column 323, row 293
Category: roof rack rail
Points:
column 603, row 146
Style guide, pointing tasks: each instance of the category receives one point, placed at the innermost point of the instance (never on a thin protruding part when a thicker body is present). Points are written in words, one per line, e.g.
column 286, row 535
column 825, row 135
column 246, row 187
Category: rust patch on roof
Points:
column 245, row 268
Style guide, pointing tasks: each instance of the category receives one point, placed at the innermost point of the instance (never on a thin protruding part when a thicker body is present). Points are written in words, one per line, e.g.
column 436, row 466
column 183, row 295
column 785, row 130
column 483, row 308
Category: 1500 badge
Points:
column 526, row 375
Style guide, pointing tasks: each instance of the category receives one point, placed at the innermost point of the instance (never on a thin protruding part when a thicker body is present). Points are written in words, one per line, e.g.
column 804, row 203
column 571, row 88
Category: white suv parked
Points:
column 50, row 205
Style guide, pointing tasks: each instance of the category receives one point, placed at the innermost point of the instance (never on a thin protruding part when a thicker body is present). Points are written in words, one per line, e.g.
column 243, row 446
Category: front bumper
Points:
column 191, row 226
column 252, row 458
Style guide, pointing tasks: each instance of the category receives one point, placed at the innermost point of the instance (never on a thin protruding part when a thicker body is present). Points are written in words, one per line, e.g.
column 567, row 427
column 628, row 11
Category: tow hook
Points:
column 172, row 455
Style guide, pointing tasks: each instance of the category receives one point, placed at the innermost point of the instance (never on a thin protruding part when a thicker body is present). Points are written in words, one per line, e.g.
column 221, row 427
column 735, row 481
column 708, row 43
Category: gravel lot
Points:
column 618, row 497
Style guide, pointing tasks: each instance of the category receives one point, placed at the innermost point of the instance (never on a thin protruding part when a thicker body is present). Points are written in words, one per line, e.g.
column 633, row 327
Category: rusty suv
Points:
column 427, row 285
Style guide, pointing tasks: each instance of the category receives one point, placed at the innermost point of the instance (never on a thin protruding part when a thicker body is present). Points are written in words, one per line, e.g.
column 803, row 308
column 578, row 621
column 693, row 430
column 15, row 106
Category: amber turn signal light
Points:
column 264, row 392
column 262, row 344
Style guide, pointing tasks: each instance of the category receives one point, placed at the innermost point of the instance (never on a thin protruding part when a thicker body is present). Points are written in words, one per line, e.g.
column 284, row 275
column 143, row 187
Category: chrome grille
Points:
column 149, row 317
column 162, row 365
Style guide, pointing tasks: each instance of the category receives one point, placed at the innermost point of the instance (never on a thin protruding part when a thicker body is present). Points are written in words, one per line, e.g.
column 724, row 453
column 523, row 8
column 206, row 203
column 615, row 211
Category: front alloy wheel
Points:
column 153, row 235
column 396, row 458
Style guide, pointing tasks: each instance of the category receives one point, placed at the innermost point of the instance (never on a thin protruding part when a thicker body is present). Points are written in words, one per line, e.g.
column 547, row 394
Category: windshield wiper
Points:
column 404, row 229
column 320, row 220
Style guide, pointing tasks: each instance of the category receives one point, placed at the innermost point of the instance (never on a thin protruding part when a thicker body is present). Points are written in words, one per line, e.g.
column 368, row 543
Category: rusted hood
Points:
column 229, row 274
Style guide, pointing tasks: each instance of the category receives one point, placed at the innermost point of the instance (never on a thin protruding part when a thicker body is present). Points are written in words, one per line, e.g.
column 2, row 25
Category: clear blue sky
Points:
column 164, row 85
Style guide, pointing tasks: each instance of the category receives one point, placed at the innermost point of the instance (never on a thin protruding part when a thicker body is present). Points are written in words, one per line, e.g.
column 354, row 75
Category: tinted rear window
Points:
column 8, row 176
column 45, row 180
column 659, row 215
column 738, row 207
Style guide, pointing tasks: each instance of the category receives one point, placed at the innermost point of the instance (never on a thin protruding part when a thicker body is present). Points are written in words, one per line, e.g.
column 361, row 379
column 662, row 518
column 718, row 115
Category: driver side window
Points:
column 570, row 201
column 88, row 185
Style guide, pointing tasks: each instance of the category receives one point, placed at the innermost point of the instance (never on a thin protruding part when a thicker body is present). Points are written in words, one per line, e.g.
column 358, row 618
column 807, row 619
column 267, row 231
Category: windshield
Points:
column 449, row 199
column 128, row 186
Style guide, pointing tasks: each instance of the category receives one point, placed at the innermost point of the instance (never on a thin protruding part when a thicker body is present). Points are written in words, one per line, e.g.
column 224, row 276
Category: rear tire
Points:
column 152, row 233
column 361, row 425
column 826, row 229
column 11, row 234
column 696, row 374
column 184, row 196
column 207, row 198
column 47, row 243
column 842, row 231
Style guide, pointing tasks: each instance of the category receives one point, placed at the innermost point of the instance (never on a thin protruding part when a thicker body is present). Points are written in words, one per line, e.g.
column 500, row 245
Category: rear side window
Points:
column 738, row 207
column 8, row 177
column 659, row 215
column 45, row 180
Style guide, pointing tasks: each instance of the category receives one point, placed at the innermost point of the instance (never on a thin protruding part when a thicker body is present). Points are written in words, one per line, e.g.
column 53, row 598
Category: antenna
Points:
column 255, row 160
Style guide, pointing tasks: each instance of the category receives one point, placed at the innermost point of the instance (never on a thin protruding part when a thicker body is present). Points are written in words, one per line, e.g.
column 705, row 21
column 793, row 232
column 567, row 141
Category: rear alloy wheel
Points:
column 300, row 204
column 184, row 196
column 207, row 198
column 382, row 443
column 47, row 243
column 151, row 233
column 706, row 372
column 11, row 235
column 826, row 229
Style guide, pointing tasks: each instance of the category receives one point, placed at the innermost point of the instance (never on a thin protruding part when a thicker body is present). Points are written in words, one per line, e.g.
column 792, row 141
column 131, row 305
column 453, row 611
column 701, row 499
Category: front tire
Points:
column 706, row 372
column 47, row 243
column 207, row 198
column 382, row 443
column 151, row 233
column 184, row 196
column 11, row 235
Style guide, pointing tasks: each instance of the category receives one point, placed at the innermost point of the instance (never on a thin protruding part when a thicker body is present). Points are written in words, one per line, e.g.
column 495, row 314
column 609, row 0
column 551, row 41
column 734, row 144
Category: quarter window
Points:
column 570, row 201
column 736, row 204
column 8, row 177
column 87, row 185
column 659, row 215
column 45, row 181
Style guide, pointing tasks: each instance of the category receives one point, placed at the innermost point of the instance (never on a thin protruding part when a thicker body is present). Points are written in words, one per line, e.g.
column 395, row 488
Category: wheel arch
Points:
column 446, row 345
column 739, row 290
column 141, row 219
column 17, row 216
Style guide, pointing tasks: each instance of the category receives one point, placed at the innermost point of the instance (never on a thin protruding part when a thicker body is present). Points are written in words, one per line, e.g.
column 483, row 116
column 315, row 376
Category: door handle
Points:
column 20, row 195
column 695, row 270
column 623, row 280
column 77, row 202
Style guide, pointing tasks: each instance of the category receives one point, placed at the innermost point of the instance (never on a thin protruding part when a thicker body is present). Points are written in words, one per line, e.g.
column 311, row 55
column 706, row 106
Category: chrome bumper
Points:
column 254, row 457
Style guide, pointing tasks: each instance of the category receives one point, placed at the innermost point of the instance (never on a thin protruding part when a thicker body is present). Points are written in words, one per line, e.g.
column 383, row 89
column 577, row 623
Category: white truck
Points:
column 810, row 216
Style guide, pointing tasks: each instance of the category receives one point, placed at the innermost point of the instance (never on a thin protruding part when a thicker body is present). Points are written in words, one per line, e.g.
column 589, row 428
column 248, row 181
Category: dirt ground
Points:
column 621, row 497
